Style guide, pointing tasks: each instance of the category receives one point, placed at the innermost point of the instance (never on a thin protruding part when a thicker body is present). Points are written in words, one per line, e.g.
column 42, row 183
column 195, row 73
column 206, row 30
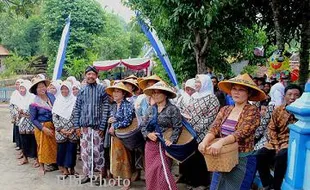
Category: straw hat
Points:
column 140, row 79
column 131, row 77
column 36, row 81
column 161, row 86
column 244, row 80
column 119, row 86
column 143, row 83
column 132, row 82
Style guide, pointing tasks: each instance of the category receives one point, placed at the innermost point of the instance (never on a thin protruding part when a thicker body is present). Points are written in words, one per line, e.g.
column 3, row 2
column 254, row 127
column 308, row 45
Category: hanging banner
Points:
column 61, row 55
column 159, row 49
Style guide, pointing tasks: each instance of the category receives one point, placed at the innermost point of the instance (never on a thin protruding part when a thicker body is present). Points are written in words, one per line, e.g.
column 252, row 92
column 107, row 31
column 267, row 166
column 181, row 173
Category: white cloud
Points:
column 118, row 8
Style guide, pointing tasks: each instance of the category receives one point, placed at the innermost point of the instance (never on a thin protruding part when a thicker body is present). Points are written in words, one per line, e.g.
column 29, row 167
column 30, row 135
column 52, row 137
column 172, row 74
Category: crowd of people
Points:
column 116, row 128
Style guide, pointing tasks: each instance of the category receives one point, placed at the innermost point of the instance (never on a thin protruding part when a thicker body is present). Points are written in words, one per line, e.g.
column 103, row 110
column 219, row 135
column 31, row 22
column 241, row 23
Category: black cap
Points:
column 91, row 68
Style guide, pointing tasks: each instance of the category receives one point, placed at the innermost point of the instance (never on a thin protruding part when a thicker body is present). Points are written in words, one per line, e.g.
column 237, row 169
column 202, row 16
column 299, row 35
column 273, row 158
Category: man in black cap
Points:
column 90, row 120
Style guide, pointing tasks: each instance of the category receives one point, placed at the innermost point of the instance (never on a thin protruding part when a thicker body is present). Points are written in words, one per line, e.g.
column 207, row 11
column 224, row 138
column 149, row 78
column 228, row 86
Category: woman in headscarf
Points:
column 26, row 128
column 186, row 95
column 160, row 117
column 235, row 123
column 106, row 83
column 72, row 80
column 143, row 102
column 66, row 136
column 76, row 86
column 54, row 88
column 121, row 116
column 41, row 117
column 15, row 98
column 202, row 111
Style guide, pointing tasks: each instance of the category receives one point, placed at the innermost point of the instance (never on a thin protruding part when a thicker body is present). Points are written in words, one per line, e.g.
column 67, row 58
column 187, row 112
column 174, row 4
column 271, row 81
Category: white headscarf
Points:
column 16, row 97
column 72, row 79
column 206, row 87
column 186, row 98
column 28, row 98
column 106, row 82
column 57, row 86
column 77, row 84
column 63, row 106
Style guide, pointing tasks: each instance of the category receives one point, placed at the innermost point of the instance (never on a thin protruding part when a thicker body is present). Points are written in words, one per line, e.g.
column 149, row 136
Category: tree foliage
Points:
column 94, row 33
column 203, row 32
column 87, row 23
column 21, row 35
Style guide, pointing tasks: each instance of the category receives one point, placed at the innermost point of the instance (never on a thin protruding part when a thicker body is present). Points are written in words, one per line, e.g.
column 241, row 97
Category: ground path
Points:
column 14, row 177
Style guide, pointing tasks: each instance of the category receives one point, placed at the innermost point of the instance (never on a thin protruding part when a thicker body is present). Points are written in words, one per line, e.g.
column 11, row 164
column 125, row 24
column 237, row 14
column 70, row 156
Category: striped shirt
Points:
column 228, row 127
column 92, row 107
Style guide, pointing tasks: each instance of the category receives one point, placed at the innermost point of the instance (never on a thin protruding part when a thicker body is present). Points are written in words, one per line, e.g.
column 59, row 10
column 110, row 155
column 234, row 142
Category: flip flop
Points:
column 65, row 176
column 51, row 169
column 20, row 156
column 76, row 175
column 23, row 162
column 36, row 164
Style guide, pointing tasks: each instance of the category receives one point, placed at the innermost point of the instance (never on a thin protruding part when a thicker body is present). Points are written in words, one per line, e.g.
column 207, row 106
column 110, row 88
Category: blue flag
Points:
column 61, row 55
column 159, row 49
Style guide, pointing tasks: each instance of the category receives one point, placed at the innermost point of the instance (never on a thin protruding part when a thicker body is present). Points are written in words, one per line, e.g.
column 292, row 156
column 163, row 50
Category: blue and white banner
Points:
column 61, row 55
column 159, row 49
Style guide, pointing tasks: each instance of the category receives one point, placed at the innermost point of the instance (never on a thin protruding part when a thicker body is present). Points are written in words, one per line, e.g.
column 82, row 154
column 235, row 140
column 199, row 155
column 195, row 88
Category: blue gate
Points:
column 5, row 94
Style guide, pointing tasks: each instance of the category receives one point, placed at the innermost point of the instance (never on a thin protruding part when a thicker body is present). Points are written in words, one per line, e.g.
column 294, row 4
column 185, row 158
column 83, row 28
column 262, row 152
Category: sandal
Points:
column 20, row 156
column 23, row 162
column 51, row 168
column 77, row 175
column 36, row 164
column 64, row 176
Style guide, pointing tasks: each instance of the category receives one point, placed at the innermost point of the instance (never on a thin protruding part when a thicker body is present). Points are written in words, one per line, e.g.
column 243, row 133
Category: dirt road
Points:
column 14, row 177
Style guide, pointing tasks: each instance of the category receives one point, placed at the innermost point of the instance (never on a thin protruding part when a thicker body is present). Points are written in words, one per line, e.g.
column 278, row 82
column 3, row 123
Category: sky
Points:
column 117, row 7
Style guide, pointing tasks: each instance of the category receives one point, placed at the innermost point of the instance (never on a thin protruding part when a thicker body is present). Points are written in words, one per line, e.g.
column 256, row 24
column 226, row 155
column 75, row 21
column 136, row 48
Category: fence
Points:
column 5, row 94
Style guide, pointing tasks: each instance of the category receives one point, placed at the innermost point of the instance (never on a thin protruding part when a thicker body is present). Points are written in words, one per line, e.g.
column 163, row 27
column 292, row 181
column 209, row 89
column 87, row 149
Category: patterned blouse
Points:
column 123, row 115
column 169, row 117
column 261, row 135
column 41, row 112
column 244, row 132
column 203, row 112
column 278, row 132
column 14, row 113
column 62, row 123
column 25, row 124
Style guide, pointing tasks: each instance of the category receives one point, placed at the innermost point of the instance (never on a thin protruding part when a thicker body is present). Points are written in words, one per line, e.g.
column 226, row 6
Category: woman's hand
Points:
column 112, row 131
column 47, row 131
column 152, row 136
column 78, row 132
column 111, row 120
column 215, row 148
column 202, row 147
column 168, row 143
column 64, row 132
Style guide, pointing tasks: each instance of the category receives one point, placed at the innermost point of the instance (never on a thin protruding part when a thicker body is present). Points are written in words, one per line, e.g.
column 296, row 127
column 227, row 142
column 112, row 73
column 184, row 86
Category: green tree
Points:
column 202, row 32
column 14, row 65
column 87, row 24
column 114, row 42
column 21, row 35
column 287, row 20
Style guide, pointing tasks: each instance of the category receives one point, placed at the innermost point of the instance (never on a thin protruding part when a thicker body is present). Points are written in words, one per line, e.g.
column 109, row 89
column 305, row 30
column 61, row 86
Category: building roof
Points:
column 3, row 51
